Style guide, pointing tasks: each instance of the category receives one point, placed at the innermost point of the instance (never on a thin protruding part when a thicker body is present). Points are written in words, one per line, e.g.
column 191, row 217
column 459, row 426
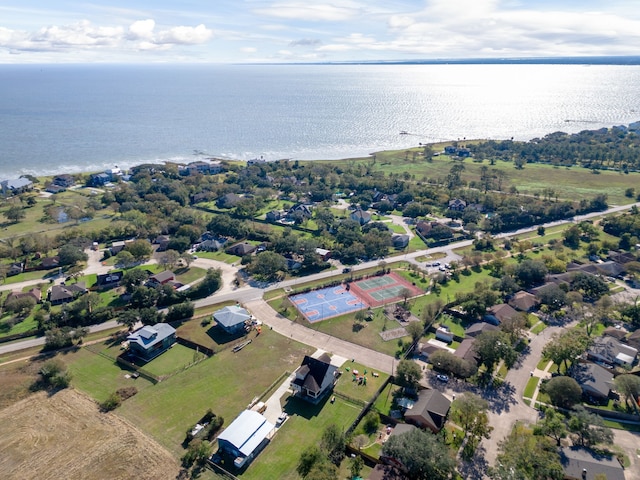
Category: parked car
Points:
column 346, row 270
column 442, row 378
column 281, row 419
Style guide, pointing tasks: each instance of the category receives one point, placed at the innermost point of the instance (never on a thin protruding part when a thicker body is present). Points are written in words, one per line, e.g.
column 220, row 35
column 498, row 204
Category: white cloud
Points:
column 328, row 12
column 140, row 35
column 248, row 50
column 142, row 29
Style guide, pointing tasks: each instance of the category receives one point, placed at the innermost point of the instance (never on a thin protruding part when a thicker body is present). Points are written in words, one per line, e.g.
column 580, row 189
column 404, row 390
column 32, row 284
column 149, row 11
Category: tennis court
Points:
column 388, row 288
column 326, row 303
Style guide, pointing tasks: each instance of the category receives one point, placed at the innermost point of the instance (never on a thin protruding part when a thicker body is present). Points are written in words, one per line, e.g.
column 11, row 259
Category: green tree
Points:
column 14, row 213
column 169, row 259
column 133, row 278
column 566, row 346
column 423, row 456
column 552, row 425
column 308, row 459
column 629, row 386
column 141, row 249
column 588, row 428
column 355, row 466
column 70, row 255
column 571, row 237
column 333, row 443
column 128, row 317
column 54, row 374
column 493, row 346
column 267, row 265
column 197, row 453
column 408, row 374
column 563, row 391
column 125, row 259
column 470, row 412
column 415, row 329
column 525, row 456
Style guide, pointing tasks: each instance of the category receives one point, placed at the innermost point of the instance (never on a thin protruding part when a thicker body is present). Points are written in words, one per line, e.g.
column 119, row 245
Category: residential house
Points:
column 162, row 241
column 579, row 463
column 444, row 334
column 15, row 268
column 151, row 340
column 478, row 328
column 292, row 264
column 117, row 247
column 204, row 168
column 499, row 313
column 400, row 241
column 466, row 351
column 430, row 411
column 432, row 346
column 109, row 280
column 229, row 200
column 596, row 382
column 99, row 179
column 274, row 216
column 301, row 211
column 199, row 197
column 65, row 180
column 15, row 186
column 450, row 150
column 34, row 293
column 621, row 257
column 232, row 319
column 457, row 205
column 161, row 278
column 211, row 245
column 241, row 249
column 361, row 216
column 323, row 253
column 59, row 294
column 610, row 351
column 617, row 332
column 50, row 262
column 314, row 378
column 114, row 173
column 634, row 339
column 524, row 301
column 245, row 437
column 53, row 188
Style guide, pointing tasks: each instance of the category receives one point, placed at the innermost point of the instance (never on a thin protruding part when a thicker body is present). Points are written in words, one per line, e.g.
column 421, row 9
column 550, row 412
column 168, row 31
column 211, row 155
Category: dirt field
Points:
column 65, row 436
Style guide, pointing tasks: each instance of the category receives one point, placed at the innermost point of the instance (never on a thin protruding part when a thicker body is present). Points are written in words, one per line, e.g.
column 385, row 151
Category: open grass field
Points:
column 576, row 182
column 65, row 436
column 98, row 376
column 174, row 359
column 189, row 275
column 226, row 383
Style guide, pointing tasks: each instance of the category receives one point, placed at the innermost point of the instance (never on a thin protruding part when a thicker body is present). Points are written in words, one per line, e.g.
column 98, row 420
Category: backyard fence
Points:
column 195, row 346
column 143, row 373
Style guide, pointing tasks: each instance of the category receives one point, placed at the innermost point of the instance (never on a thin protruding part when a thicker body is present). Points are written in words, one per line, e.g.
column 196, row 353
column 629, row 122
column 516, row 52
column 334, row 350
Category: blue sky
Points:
column 236, row 31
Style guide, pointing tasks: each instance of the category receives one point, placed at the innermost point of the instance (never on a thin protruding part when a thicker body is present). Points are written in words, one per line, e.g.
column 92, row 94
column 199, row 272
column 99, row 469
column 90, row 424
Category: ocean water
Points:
column 56, row 119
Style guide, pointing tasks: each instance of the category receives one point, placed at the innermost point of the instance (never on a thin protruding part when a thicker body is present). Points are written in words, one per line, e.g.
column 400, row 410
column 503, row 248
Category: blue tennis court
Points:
column 326, row 303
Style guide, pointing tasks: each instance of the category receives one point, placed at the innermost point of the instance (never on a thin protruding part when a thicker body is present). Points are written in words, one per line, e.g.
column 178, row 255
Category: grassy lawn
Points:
column 385, row 400
column 352, row 389
column 99, row 376
column 417, row 279
column 188, row 275
column 531, row 387
column 303, row 429
column 226, row 383
column 219, row 256
column 542, row 364
column 25, row 325
column 538, row 328
column 43, row 275
column 455, row 325
column 176, row 358
column 344, row 327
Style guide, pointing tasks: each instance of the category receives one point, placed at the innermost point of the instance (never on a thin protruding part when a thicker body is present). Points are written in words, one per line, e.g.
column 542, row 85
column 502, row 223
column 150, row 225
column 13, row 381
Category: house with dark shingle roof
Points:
column 361, row 216
column 34, row 293
column 478, row 328
column 151, row 340
column 524, row 301
column 241, row 249
column 596, row 382
column 314, row 378
column 430, row 411
column 161, row 278
column 582, row 464
column 499, row 313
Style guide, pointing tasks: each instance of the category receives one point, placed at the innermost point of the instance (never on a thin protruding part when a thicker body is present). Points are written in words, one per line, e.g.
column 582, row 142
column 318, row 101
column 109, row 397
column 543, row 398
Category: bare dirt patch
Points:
column 65, row 436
